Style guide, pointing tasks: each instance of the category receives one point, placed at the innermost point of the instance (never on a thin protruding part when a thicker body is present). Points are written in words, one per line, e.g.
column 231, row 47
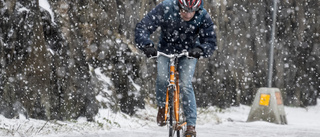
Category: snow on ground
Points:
column 302, row 122
column 45, row 4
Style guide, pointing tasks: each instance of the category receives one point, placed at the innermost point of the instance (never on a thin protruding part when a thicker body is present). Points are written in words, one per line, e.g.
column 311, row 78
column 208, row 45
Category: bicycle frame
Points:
column 173, row 90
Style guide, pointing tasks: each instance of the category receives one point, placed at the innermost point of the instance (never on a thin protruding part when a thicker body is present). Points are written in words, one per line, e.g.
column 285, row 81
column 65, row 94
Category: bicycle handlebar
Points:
column 184, row 53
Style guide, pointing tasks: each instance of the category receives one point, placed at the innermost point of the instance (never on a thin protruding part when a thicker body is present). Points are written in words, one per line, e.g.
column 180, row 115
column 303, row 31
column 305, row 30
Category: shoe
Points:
column 161, row 117
column 190, row 132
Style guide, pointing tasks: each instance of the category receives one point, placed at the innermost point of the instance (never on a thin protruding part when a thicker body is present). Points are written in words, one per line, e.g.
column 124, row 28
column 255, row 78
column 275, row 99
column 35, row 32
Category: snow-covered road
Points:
column 234, row 129
column 231, row 129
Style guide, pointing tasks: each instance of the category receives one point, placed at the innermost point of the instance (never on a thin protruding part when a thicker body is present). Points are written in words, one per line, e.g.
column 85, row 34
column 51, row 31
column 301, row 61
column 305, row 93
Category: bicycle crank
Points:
column 179, row 127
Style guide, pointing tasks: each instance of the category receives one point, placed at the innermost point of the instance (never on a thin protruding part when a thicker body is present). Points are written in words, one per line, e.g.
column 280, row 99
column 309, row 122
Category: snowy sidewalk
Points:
column 212, row 122
column 231, row 123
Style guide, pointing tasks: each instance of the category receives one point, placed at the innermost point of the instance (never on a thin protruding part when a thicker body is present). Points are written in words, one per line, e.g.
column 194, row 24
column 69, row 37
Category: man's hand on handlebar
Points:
column 150, row 51
column 196, row 53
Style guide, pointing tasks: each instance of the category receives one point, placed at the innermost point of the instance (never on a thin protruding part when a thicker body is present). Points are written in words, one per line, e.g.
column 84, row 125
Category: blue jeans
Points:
column 186, row 68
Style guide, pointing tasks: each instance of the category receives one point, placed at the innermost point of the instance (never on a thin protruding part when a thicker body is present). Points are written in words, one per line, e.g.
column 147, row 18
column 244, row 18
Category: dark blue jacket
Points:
column 176, row 34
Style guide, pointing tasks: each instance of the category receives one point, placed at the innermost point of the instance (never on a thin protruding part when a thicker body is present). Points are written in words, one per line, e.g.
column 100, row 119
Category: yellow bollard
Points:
column 268, row 106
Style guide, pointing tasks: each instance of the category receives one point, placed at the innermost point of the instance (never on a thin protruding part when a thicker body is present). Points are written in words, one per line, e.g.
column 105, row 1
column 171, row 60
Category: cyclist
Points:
column 185, row 25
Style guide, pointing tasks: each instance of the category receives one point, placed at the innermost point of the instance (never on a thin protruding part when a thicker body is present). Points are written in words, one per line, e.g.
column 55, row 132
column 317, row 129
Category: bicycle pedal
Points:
column 179, row 127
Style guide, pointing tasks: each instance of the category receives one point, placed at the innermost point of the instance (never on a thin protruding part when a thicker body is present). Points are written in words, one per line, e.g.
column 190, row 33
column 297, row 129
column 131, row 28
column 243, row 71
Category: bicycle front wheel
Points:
column 171, row 113
column 171, row 130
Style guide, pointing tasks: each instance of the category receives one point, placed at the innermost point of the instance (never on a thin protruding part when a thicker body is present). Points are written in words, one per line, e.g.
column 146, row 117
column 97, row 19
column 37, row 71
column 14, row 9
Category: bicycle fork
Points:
column 171, row 92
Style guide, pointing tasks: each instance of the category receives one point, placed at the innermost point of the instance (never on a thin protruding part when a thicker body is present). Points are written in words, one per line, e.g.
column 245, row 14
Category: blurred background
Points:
column 49, row 57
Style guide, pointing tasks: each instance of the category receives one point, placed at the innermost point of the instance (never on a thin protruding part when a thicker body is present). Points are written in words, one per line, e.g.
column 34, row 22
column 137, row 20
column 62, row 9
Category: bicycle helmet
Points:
column 190, row 5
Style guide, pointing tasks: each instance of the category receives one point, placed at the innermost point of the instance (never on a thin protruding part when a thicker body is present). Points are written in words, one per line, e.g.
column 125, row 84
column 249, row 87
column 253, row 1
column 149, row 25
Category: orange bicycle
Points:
column 173, row 116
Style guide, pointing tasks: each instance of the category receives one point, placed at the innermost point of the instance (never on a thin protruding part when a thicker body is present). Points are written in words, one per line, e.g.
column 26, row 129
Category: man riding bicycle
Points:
column 185, row 25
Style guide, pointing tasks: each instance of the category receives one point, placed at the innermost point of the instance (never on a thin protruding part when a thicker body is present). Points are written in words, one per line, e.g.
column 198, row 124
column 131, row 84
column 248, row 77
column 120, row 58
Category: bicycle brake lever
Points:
column 153, row 57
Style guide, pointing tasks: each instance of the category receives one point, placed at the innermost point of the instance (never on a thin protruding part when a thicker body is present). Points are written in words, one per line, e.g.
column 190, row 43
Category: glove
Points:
column 196, row 53
column 150, row 51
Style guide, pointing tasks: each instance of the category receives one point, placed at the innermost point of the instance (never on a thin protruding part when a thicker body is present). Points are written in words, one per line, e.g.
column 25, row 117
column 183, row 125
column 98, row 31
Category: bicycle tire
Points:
column 171, row 113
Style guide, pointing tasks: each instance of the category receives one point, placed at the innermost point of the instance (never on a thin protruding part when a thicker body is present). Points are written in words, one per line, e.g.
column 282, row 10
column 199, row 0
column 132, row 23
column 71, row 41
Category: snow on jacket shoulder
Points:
column 176, row 34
